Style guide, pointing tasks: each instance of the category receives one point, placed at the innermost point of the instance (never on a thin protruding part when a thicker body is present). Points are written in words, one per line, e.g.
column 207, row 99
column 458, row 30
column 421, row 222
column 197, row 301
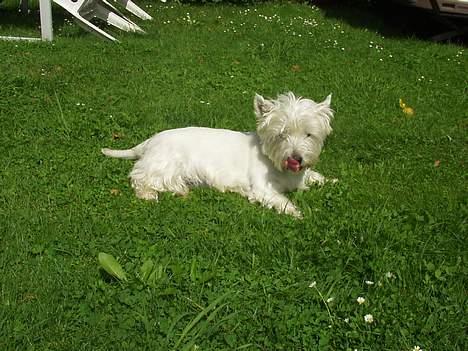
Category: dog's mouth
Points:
column 292, row 164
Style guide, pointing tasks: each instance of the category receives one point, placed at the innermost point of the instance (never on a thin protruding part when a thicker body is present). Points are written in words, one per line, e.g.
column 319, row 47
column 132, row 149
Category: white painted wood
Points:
column 45, row 9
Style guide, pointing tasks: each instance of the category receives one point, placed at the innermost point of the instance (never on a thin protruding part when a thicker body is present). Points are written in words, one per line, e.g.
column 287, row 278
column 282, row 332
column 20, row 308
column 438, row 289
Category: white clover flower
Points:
column 390, row 275
column 313, row 284
column 360, row 300
column 368, row 318
column 416, row 348
column 330, row 299
column 346, row 320
column 368, row 282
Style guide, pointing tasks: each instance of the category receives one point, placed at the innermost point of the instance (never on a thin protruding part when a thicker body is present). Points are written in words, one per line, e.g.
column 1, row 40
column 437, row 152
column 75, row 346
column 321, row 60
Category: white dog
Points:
column 261, row 166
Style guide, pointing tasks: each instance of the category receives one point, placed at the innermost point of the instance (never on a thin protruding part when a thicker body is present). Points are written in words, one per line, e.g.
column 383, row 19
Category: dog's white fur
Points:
column 260, row 165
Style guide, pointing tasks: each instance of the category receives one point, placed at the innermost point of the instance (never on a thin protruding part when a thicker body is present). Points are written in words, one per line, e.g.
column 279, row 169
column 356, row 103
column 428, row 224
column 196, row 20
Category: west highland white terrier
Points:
column 260, row 165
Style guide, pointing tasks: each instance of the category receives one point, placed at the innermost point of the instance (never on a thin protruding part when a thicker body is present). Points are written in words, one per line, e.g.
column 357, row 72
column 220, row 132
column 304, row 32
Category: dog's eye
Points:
column 308, row 135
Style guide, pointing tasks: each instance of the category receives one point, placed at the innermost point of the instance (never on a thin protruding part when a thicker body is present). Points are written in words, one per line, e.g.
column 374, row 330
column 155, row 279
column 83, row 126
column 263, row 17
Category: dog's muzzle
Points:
column 294, row 164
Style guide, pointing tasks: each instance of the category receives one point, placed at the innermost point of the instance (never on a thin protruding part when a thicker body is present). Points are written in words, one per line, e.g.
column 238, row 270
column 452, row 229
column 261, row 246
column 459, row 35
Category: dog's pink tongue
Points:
column 293, row 165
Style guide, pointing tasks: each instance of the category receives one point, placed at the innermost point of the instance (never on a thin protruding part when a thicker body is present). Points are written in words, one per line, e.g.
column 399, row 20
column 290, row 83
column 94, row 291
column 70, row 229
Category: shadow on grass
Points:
column 12, row 17
column 391, row 19
column 14, row 22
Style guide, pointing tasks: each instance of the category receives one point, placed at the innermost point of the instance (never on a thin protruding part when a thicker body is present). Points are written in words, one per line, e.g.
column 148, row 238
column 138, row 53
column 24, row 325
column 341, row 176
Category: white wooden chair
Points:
column 83, row 12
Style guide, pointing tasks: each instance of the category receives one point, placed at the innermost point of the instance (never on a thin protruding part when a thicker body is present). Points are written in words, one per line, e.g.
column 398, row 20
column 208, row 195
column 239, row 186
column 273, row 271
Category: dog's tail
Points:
column 129, row 154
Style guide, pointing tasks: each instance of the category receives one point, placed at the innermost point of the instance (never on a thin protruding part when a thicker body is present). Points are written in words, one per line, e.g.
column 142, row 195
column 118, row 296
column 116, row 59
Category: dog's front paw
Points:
column 297, row 214
column 146, row 194
column 150, row 196
column 293, row 211
column 313, row 177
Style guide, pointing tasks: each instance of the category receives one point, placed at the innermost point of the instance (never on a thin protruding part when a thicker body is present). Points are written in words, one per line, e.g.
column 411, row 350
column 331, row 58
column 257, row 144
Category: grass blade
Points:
column 198, row 317
column 62, row 117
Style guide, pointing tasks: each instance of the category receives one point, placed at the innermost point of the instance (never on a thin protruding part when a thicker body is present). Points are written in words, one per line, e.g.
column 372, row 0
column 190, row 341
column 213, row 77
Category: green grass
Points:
column 221, row 273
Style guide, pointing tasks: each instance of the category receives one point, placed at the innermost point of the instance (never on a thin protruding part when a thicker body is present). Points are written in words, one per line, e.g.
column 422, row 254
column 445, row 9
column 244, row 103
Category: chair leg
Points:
column 133, row 8
column 111, row 15
column 87, row 25
column 84, row 11
column 45, row 9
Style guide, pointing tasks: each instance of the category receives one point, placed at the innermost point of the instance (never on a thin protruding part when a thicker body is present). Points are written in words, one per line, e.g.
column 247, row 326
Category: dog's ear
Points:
column 325, row 112
column 262, row 106
column 323, row 108
column 327, row 101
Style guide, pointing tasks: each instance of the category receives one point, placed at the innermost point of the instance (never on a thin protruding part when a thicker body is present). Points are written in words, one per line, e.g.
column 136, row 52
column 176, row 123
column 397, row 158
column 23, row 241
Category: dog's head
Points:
column 292, row 130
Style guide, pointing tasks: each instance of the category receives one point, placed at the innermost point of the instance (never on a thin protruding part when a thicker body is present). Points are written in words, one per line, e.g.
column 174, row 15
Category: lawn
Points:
column 212, row 271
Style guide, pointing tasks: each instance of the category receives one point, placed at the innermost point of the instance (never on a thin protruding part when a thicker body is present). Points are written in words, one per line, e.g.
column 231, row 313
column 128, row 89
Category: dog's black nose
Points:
column 298, row 158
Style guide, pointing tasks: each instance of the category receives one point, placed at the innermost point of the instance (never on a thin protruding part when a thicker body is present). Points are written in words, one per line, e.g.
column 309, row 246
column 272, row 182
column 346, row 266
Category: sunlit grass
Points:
column 379, row 261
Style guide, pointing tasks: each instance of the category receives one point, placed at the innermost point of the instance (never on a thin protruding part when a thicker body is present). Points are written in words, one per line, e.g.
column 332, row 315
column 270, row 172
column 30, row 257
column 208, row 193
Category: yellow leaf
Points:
column 115, row 192
column 408, row 111
column 296, row 68
column 116, row 136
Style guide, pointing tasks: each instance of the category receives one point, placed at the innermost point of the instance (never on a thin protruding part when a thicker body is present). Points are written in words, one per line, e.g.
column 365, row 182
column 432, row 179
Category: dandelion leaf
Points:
column 111, row 266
